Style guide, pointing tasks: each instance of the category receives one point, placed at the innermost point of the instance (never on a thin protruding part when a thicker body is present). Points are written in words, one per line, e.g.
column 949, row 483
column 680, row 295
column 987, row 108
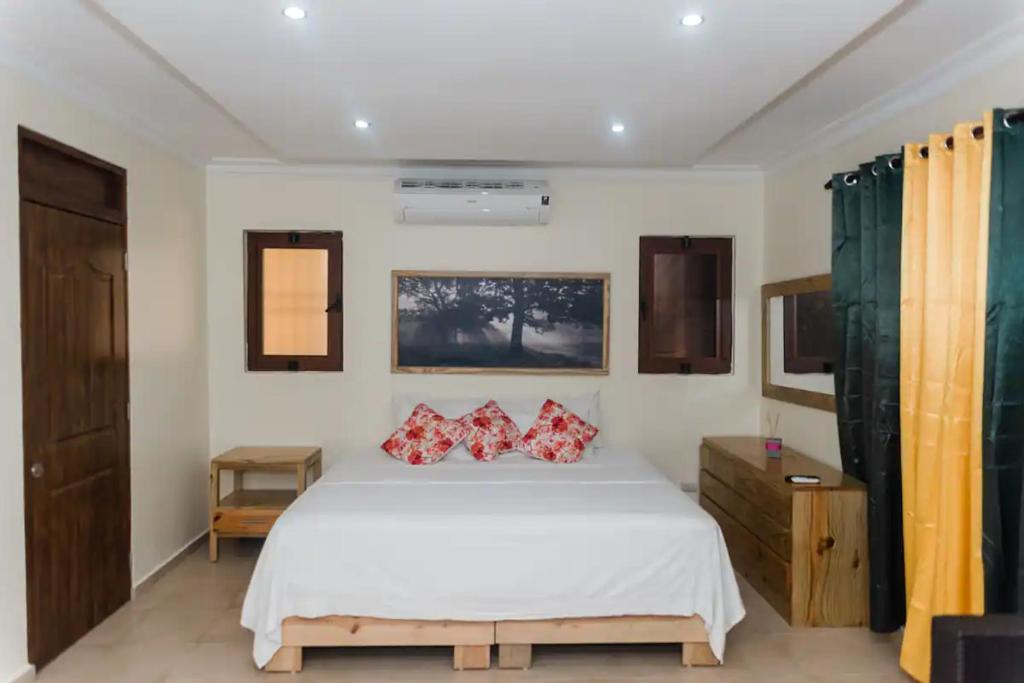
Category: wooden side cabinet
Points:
column 249, row 513
column 804, row 548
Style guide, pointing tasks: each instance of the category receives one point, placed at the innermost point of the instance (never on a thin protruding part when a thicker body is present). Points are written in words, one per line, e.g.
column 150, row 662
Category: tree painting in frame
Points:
column 478, row 322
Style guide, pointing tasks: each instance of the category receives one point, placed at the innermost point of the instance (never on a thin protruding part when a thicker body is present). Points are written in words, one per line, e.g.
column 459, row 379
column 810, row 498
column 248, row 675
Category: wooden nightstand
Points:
column 249, row 513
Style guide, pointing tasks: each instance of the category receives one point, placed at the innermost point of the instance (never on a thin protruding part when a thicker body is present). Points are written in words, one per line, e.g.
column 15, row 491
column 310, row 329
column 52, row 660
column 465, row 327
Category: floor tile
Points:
column 185, row 629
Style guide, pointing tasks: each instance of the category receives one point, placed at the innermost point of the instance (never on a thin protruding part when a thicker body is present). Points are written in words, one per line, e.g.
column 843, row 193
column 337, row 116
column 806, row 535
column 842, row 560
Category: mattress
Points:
column 516, row 538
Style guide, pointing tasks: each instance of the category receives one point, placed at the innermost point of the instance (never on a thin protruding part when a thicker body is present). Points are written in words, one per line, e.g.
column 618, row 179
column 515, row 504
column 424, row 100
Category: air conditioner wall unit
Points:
column 423, row 201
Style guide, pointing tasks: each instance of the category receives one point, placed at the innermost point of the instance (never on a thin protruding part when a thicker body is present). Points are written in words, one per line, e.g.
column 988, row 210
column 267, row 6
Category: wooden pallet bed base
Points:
column 471, row 640
column 516, row 639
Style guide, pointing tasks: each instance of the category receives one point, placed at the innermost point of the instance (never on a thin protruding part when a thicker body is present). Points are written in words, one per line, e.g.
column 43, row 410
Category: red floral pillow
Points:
column 492, row 432
column 558, row 435
column 425, row 437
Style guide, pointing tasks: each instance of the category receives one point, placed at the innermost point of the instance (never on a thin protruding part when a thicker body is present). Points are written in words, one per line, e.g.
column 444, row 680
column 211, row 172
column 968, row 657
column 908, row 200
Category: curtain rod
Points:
column 851, row 177
column 1010, row 119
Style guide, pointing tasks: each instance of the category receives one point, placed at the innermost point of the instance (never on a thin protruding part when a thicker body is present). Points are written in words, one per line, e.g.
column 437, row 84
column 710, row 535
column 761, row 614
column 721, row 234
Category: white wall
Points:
column 798, row 211
column 167, row 338
column 597, row 218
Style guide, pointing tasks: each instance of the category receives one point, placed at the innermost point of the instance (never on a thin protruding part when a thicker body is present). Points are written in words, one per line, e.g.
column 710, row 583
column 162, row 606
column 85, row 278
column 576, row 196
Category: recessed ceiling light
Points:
column 361, row 124
column 692, row 20
column 294, row 12
column 486, row 210
column 618, row 128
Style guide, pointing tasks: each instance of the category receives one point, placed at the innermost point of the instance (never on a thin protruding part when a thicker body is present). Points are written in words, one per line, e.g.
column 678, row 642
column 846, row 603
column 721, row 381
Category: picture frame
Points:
column 500, row 322
column 778, row 392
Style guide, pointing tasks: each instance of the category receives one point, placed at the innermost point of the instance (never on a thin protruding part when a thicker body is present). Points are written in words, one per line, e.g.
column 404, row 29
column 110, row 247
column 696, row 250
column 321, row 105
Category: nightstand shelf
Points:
column 250, row 513
column 263, row 499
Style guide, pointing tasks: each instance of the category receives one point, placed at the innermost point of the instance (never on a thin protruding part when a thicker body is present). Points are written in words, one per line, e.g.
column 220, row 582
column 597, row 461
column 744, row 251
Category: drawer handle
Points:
column 826, row 543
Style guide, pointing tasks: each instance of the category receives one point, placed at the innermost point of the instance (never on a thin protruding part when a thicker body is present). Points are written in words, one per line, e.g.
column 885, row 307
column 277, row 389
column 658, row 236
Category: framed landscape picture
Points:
column 473, row 322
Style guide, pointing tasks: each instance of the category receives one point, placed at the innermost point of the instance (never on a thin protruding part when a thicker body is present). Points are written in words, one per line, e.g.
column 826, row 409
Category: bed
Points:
column 514, row 552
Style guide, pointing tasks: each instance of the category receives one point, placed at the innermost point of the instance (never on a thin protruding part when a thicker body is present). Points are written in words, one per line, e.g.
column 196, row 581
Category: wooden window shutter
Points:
column 686, row 304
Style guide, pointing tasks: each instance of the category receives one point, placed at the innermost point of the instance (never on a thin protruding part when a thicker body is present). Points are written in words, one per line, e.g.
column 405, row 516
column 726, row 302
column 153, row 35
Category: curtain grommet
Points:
column 850, row 179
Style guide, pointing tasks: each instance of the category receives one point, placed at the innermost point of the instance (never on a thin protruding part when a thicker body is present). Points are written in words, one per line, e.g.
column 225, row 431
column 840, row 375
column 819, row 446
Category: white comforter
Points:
column 512, row 539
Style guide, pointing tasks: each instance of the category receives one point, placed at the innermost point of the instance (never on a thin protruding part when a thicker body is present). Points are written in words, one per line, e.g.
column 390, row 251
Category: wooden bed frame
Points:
column 472, row 640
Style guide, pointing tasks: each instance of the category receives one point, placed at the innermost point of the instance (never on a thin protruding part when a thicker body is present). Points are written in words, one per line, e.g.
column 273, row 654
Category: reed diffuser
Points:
column 773, row 443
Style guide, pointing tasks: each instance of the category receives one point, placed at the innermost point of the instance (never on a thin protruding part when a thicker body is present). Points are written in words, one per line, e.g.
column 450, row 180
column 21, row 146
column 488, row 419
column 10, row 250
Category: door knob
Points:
column 37, row 470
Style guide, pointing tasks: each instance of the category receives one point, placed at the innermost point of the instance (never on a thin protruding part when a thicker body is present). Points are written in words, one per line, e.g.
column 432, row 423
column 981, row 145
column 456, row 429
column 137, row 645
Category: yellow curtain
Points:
column 942, row 335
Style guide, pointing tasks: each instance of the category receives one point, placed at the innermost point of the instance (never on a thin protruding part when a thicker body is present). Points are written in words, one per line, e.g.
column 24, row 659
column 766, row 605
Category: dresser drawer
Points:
column 244, row 522
column 744, row 480
column 757, row 563
column 803, row 548
column 749, row 514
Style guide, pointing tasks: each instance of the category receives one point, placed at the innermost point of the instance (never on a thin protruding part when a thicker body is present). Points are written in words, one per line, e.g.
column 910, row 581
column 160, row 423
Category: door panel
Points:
column 75, row 385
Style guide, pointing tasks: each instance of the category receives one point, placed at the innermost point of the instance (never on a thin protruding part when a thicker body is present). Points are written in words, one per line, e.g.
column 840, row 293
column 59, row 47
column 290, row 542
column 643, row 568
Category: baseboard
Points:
column 27, row 673
column 24, row 675
column 690, row 489
column 146, row 582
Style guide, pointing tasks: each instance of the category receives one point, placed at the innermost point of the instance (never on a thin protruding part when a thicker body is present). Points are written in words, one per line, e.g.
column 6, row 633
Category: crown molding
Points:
column 225, row 166
column 988, row 51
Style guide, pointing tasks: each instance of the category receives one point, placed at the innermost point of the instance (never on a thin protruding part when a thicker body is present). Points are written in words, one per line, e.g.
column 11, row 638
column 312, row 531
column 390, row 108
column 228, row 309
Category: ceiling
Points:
column 532, row 82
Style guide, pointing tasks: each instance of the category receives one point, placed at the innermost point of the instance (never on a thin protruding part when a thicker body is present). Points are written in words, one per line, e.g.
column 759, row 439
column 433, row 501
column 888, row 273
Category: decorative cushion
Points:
column 522, row 409
column 425, row 437
column 558, row 435
column 492, row 432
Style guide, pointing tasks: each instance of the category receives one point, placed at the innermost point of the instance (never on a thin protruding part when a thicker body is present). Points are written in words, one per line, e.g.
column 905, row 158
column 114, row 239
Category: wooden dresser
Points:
column 804, row 548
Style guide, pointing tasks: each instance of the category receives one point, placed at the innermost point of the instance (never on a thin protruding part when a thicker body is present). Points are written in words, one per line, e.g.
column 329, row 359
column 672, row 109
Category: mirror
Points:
column 796, row 342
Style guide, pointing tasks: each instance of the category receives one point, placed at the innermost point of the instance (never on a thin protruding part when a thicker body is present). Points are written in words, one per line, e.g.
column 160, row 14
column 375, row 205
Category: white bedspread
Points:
column 517, row 538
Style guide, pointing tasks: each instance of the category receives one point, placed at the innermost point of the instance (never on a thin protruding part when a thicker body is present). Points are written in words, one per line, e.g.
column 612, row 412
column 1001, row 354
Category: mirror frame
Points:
column 803, row 397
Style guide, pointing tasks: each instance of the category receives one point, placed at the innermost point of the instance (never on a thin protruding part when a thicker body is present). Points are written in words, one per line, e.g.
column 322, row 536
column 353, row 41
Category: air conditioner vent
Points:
column 494, row 184
column 471, row 202
column 410, row 183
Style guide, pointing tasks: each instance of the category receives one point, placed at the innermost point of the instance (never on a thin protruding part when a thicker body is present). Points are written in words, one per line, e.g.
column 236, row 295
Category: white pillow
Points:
column 522, row 409
column 402, row 405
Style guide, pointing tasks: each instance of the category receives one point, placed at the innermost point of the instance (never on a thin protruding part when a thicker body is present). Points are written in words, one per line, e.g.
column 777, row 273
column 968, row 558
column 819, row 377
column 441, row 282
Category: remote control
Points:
column 803, row 479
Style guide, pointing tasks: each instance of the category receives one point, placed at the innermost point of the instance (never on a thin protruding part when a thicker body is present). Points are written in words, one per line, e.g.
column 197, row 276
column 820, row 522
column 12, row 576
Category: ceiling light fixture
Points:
column 691, row 20
column 294, row 12
column 618, row 128
column 361, row 124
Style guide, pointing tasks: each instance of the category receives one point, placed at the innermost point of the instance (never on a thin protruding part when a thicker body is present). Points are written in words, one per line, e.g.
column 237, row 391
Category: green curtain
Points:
column 1003, row 407
column 867, row 215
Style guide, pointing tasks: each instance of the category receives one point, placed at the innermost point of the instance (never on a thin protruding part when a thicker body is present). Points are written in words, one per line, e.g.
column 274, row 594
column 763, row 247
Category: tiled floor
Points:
column 185, row 629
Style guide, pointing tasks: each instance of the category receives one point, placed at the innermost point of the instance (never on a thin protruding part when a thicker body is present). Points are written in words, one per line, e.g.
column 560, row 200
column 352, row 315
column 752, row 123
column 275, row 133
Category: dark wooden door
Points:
column 75, row 392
